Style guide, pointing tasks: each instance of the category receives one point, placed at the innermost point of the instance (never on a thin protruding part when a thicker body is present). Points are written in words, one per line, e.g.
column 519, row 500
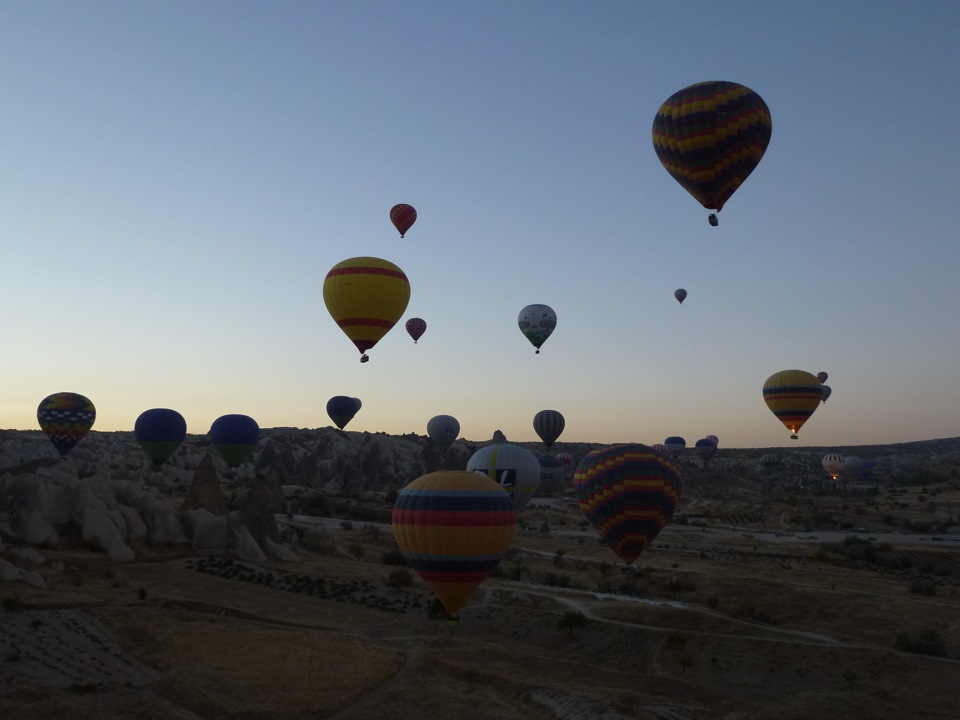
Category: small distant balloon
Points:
column 403, row 217
column 342, row 409
column 416, row 327
column 833, row 464
column 675, row 445
column 160, row 431
column 548, row 424
column 680, row 294
column 65, row 419
column 443, row 430
column 826, row 392
column 822, row 376
column 537, row 323
column 714, row 439
column 234, row 437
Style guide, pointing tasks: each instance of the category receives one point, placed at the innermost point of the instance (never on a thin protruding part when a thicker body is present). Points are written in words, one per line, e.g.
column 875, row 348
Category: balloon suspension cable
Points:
column 712, row 219
column 364, row 358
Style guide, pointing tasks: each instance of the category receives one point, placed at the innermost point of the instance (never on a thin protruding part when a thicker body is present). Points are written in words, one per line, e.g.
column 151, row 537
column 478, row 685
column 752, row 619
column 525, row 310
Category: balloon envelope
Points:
column 537, row 323
column 551, row 474
column 675, row 445
column 833, row 464
column 160, row 431
column 826, row 392
column 65, row 419
column 822, row 376
column 628, row 493
column 705, row 449
column 234, row 437
column 453, row 527
column 366, row 296
column 416, row 327
column 403, row 217
column 443, row 430
column 342, row 409
column 792, row 395
column 548, row 424
column 710, row 137
column 516, row 469
column 680, row 295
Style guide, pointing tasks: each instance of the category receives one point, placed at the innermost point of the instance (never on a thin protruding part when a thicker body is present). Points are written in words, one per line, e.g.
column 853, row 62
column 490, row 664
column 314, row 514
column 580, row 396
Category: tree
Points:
column 400, row 579
column 572, row 619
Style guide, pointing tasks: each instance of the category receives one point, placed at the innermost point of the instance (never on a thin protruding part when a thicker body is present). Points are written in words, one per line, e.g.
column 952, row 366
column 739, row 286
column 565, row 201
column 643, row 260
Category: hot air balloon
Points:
column 675, row 445
column 516, row 469
column 827, row 392
column 661, row 448
column 833, row 464
column 160, row 431
column 627, row 493
column 851, row 467
column 792, row 395
column 769, row 461
column 65, row 419
column 453, row 527
column 551, row 474
column 705, row 449
column 714, row 439
column 710, row 137
column 403, row 217
column 342, row 409
column 366, row 296
column 443, row 430
column 549, row 425
column 416, row 327
column 565, row 457
column 680, row 294
column 537, row 323
column 822, row 376
column 234, row 437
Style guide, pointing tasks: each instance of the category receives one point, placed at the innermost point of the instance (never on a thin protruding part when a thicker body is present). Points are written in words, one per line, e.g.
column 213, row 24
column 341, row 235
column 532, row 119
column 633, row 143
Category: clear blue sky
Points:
column 176, row 178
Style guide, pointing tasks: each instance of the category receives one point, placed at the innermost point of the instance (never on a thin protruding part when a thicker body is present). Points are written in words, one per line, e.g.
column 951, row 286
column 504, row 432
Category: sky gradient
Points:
column 176, row 178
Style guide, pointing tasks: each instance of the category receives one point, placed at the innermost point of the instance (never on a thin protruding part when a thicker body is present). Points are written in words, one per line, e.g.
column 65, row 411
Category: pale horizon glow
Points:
column 178, row 178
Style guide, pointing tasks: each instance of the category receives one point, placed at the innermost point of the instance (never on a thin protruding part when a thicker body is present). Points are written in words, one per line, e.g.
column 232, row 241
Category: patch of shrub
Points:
column 924, row 641
column 922, row 586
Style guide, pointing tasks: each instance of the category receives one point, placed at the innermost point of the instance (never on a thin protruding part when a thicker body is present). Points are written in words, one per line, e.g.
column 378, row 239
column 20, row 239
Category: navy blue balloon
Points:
column 235, row 437
column 160, row 431
column 342, row 409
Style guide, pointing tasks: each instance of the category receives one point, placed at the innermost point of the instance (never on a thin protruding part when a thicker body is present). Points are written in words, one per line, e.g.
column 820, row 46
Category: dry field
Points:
column 719, row 622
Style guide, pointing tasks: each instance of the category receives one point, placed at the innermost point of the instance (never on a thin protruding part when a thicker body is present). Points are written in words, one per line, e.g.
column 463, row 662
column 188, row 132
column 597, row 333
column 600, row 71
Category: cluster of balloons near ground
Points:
column 66, row 417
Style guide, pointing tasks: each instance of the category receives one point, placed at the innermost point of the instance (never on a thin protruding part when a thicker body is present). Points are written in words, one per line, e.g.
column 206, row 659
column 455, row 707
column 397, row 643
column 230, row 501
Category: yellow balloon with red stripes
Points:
column 366, row 296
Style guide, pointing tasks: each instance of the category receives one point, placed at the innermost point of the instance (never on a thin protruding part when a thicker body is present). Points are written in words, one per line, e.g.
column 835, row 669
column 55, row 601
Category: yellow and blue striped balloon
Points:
column 710, row 137
column 792, row 395
column 453, row 527
column 65, row 419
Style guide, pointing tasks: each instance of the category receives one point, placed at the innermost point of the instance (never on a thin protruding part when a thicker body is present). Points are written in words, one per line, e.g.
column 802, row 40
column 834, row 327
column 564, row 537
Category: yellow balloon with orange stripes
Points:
column 366, row 296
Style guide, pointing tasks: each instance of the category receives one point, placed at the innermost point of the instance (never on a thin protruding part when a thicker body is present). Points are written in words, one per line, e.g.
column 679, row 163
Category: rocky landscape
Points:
column 276, row 591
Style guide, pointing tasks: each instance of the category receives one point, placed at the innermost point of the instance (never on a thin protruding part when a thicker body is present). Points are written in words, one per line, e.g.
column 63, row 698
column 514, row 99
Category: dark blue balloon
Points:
column 342, row 409
column 234, row 437
column 160, row 431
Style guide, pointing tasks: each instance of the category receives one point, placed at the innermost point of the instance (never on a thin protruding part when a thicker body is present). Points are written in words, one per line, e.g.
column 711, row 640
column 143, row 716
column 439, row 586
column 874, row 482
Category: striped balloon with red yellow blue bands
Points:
column 453, row 527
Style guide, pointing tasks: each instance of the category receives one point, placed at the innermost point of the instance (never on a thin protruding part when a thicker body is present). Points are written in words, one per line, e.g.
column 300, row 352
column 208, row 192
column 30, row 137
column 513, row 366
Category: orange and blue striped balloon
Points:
column 366, row 296
column 65, row 419
column 710, row 137
column 453, row 527
column 792, row 395
column 628, row 493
